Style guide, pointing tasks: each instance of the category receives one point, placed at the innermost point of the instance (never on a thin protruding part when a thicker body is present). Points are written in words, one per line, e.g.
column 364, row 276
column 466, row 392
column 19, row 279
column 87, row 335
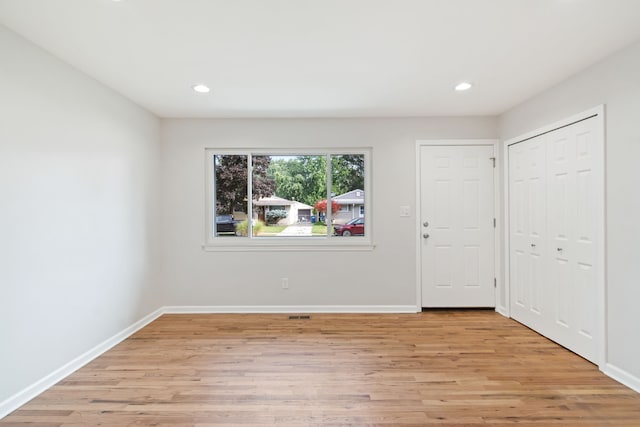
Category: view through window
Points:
column 267, row 195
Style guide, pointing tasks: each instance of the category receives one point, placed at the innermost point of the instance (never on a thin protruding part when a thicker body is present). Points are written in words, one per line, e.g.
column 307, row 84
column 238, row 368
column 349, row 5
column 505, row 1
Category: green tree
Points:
column 300, row 178
column 289, row 178
column 316, row 178
column 347, row 173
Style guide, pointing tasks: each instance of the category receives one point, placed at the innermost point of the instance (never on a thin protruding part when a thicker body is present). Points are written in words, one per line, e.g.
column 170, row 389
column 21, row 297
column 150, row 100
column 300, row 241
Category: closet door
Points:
column 553, row 212
column 572, row 207
column 527, row 224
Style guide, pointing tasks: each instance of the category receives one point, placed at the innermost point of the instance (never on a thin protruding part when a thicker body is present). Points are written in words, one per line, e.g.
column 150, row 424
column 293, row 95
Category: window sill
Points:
column 286, row 246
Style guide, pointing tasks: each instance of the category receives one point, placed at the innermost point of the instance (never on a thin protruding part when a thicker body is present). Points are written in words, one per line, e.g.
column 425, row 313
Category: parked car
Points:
column 225, row 224
column 351, row 228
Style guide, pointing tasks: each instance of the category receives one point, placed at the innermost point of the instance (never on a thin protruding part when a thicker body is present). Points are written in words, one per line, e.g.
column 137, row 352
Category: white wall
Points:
column 613, row 82
column 78, row 178
column 382, row 277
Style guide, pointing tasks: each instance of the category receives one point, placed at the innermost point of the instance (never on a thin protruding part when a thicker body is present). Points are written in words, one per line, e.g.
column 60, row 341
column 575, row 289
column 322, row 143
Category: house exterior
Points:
column 351, row 206
column 296, row 211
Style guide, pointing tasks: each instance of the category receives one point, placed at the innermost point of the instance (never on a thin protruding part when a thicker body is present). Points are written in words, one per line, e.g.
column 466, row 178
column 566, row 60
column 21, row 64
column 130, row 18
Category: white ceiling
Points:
column 327, row 58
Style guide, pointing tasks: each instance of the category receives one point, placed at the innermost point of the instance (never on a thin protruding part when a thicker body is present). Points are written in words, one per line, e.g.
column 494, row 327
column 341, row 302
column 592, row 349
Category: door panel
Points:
column 471, row 258
column 457, row 259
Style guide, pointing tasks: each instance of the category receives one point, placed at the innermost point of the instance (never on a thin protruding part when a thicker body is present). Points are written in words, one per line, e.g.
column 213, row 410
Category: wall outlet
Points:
column 285, row 283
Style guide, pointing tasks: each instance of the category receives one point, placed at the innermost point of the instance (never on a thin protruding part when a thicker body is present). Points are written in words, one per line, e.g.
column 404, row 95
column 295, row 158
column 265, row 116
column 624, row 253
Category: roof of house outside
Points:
column 279, row 201
column 353, row 197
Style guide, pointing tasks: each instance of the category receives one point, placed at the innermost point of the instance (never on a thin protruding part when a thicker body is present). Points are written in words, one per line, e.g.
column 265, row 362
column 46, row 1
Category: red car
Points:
column 351, row 228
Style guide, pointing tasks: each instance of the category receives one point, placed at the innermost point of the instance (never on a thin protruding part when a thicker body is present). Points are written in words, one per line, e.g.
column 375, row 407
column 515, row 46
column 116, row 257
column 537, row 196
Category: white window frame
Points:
column 282, row 243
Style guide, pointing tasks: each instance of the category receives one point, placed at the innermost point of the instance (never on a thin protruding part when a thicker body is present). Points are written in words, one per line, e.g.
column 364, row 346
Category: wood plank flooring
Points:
column 444, row 368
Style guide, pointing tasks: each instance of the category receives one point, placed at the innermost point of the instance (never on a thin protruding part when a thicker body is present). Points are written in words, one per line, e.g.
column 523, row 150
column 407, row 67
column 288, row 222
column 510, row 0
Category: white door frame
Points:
column 497, row 267
column 598, row 113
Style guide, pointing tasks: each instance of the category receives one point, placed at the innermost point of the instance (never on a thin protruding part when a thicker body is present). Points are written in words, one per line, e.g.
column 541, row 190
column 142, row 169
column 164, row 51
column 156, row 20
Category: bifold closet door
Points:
column 553, row 235
column 528, row 216
column 572, row 228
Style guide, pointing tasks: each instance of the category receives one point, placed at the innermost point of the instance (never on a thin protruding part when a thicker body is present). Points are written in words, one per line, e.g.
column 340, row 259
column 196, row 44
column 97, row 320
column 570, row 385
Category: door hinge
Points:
column 494, row 223
column 493, row 159
column 495, row 282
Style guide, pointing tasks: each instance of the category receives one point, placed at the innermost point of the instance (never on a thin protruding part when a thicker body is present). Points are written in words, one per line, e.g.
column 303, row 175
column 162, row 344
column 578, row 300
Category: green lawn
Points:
column 319, row 229
column 271, row 230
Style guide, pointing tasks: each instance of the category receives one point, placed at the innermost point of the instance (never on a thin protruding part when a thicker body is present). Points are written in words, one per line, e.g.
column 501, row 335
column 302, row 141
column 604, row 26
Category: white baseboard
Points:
column 14, row 402
column 622, row 376
column 266, row 309
column 502, row 311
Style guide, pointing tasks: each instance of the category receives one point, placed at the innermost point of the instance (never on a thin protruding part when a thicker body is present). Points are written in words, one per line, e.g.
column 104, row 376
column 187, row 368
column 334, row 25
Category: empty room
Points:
column 316, row 213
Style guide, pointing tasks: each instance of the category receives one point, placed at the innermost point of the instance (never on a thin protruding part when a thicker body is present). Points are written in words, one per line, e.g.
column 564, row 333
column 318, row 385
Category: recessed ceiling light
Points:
column 463, row 86
column 200, row 88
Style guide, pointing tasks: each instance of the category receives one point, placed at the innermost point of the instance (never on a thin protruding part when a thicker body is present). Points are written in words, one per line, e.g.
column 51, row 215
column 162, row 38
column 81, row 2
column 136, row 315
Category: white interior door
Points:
column 457, row 226
column 553, row 235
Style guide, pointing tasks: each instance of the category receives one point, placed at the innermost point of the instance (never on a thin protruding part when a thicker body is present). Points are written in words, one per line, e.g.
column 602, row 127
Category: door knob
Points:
column 425, row 224
column 425, row 235
column 533, row 245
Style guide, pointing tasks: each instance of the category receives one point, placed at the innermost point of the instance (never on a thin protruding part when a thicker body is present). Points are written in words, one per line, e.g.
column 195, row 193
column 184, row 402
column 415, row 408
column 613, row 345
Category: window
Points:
column 279, row 198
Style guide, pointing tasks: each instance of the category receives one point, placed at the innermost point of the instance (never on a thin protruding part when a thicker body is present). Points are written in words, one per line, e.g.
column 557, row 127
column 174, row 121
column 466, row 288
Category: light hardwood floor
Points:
column 446, row 368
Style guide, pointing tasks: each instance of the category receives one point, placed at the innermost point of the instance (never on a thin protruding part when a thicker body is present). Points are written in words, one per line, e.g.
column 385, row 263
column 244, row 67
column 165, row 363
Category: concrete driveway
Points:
column 296, row 230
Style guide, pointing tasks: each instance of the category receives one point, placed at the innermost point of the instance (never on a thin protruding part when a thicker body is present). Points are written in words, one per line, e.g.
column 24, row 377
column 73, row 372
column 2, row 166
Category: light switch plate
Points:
column 405, row 210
